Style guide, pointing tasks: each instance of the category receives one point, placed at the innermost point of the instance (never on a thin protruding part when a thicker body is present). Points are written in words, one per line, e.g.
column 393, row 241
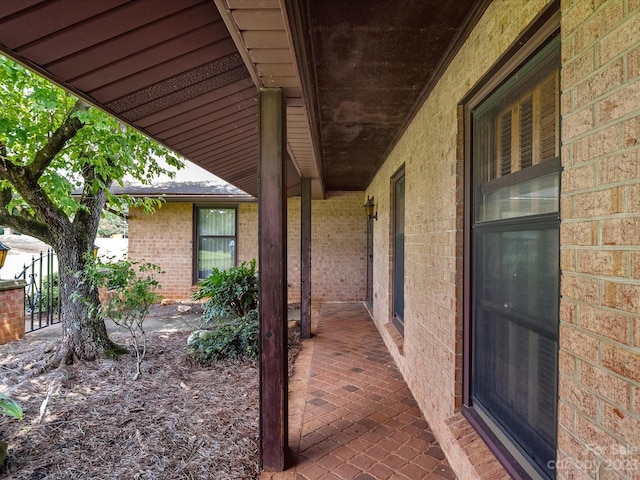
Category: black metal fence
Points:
column 41, row 295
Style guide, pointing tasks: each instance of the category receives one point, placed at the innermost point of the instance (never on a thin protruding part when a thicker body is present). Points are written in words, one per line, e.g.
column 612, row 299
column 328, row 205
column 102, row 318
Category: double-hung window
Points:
column 215, row 240
column 514, row 263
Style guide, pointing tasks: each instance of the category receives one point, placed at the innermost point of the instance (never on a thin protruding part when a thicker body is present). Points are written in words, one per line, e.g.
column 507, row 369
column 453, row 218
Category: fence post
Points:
column 12, row 313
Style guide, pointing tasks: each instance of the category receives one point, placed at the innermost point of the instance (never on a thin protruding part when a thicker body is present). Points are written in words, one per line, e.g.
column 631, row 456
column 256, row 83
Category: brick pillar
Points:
column 11, row 310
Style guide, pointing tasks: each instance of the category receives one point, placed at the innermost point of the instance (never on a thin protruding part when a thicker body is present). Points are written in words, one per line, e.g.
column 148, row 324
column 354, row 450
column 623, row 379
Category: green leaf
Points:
column 33, row 108
column 232, row 292
column 10, row 407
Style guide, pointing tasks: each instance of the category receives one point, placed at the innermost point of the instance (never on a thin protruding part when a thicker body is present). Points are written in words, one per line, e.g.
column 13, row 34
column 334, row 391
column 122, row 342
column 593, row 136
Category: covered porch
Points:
column 279, row 98
column 351, row 414
column 468, row 124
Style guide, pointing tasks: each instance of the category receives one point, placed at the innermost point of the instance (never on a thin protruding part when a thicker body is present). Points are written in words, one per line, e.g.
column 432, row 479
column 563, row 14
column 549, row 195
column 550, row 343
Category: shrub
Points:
column 231, row 293
column 231, row 339
column 53, row 283
column 132, row 288
column 232, row 301
column 134, row 295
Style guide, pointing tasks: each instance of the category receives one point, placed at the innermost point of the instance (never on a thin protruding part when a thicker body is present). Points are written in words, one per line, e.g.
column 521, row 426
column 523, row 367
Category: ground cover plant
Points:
column 231, row 339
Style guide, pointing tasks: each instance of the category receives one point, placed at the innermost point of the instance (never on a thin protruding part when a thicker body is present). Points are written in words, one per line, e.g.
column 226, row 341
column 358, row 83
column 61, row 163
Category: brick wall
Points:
column 247, row 231
column 599, row 410
column 166, row 240
column 12, row 311
column 338, row 249
column 430, row 356
column 599, row 356
column 599, row 407
column 338, row 271
column 338, row 245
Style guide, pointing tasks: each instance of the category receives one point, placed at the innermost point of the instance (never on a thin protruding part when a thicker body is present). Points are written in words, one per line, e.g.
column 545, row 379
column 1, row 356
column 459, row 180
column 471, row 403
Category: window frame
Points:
column 196, row 236
column 541, row 31
column 399, row 175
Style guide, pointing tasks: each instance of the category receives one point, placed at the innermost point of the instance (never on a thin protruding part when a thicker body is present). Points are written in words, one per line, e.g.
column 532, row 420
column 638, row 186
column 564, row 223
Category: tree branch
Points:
column 29, row 227
column 57, row 141
column 24, row 224
column 5, row 197
column 87, row 218
column 25, row 180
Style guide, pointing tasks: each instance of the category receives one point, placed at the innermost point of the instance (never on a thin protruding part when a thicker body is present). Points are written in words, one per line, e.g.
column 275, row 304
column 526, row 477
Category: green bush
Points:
column 130, row 293
column 231, row 293
column 232, row 339
column 232, row 301
column 54, row 281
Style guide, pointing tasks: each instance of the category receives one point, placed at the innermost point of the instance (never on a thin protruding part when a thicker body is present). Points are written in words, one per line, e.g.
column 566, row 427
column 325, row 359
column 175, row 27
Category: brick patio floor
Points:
column 351, row 415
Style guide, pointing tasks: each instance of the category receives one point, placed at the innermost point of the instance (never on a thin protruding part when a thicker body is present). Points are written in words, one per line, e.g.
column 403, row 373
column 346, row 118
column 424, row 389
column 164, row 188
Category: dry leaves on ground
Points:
column 91, row 420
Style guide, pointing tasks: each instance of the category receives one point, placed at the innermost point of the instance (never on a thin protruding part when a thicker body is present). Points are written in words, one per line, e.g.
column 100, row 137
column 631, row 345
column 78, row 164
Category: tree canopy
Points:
column 56, row 141
column 52, row 144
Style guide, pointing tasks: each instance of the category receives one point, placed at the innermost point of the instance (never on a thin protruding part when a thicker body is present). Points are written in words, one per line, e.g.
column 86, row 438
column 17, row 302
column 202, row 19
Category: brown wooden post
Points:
column 305, row 260
column 272, row 234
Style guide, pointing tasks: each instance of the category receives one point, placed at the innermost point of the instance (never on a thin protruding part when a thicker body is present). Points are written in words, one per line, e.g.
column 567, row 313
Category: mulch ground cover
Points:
column 180, row 420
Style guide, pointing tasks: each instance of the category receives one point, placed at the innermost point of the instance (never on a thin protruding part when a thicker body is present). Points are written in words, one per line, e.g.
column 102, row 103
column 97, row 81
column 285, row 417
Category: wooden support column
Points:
column 305, row 260
column 272, row 234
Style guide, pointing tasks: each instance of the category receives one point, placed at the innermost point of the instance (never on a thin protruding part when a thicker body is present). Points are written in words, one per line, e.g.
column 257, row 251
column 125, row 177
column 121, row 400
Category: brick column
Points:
column 11, row 310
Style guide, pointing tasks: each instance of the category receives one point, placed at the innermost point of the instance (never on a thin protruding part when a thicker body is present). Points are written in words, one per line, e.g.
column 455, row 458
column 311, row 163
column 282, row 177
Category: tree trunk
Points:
column 84, row 332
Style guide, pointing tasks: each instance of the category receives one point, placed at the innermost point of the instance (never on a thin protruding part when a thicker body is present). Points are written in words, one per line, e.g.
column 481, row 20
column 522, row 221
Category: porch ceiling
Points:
column 185, row 73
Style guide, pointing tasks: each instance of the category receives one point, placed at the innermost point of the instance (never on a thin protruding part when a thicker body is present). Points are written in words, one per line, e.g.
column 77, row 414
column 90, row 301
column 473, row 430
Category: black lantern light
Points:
column 3, row 253
column 369, row 208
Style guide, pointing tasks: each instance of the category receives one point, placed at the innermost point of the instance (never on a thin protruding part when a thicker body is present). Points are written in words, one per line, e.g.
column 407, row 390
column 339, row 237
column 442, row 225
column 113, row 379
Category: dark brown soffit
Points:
column 368, row 67
column 168, row 68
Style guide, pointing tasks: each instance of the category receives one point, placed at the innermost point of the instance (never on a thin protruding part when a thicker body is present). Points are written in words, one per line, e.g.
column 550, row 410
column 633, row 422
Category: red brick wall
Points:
column 11, row 313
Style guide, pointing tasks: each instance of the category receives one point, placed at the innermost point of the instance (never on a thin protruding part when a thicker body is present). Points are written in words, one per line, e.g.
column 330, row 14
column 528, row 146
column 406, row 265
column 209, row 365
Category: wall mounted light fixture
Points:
column 369, row 209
